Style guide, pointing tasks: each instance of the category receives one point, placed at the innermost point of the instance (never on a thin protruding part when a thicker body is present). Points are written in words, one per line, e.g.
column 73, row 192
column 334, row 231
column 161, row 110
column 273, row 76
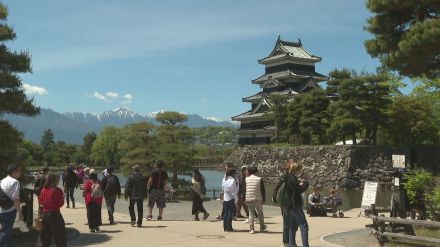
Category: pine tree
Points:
column 406, row 36
column 47, row 140
column 279, row 115
column 13, row 99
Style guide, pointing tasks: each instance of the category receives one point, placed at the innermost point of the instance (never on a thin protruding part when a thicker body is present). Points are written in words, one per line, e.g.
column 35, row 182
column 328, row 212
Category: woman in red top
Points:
column 52, row 199
column 93, row 196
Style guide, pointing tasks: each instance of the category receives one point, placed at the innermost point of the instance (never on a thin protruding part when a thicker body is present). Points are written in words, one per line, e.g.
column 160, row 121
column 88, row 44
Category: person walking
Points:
column 198, row 193
column 292, row 212
column 9, row 203
column 136, row 191
column 255, row 197
column 112, row 189
column 52, row 199
column 156, row 185
column 39, row 180
column 70, row 183
column 93, row 196
column 230, row 190
column 242, row 194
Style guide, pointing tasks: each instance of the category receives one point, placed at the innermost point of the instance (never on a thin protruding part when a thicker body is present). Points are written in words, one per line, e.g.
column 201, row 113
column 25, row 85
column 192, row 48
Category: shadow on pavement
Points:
column 88, row 239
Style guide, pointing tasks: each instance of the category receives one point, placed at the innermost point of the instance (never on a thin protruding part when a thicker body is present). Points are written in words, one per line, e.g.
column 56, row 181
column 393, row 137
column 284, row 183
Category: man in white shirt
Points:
column 11, row 187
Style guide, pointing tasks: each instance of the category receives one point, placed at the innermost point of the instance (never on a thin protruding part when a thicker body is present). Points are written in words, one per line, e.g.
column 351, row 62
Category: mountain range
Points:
column 72, row 126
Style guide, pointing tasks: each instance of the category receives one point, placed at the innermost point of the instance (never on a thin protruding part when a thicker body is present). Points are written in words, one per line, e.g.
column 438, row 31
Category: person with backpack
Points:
column 93, row 196
column 39, row 180
column 198, row 193
column 230, row 190
column 287, row 194
column 136, row 190
column 156, row 185
column 52, row 199
column 112, row 189
column 70, row 183
column 255, row 197
column 9, row 203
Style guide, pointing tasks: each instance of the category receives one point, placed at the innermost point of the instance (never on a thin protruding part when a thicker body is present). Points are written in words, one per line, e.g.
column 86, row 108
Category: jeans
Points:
column 53, row 227
column 229, row 214
column 7, row 222
column 69, row 194
column 140, row 209
column 256, row 205
column 110, row 202
column 292, row 219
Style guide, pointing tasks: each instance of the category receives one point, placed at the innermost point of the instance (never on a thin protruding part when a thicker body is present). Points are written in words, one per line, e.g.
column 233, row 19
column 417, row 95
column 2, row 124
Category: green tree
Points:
column 137, row 145
column 412, row 121
column 13, row 99
column 174, row 139
column 105, row 150
column 47, row 140
column 376, row 96
column 88, row 141
column 346, row 110
column 314, row 117
column 406, row 36
column 279, row 115
column 171, row 118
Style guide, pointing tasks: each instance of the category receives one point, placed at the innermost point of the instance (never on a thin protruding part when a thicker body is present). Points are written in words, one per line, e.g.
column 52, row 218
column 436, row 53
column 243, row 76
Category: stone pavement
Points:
column 178, row 229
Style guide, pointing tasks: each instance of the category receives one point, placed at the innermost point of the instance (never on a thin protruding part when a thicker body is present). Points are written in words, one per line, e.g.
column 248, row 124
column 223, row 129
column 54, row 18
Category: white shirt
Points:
column 230, row 189
column 11, row 187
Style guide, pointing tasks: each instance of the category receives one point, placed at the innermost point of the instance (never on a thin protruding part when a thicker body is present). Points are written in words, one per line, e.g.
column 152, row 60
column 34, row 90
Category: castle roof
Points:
column 289, row 50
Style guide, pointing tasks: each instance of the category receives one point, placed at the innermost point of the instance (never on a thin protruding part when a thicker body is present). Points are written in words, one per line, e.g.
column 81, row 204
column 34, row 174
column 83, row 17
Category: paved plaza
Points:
column 178, row 229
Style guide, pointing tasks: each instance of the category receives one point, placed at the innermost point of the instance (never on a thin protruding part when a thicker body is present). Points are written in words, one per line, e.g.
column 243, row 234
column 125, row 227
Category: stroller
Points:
column 333, row 204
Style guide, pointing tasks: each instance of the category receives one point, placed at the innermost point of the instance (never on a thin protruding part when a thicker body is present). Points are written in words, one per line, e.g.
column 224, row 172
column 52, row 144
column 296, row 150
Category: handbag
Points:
column 38, row 223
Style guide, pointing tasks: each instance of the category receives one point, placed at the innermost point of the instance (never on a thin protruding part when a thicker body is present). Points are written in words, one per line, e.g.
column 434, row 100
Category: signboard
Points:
column 396, row 182
column 369, row 195
column 398, row 161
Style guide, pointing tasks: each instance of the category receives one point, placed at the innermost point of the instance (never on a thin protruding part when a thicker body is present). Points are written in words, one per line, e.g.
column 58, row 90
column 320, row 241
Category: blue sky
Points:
column 192, row 56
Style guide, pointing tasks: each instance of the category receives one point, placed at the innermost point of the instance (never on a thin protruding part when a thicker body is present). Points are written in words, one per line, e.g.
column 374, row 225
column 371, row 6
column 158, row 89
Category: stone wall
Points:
column 343, row 166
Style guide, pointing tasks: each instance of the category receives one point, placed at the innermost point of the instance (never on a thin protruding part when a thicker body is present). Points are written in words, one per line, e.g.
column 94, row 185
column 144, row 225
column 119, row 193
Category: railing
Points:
column 400, row 229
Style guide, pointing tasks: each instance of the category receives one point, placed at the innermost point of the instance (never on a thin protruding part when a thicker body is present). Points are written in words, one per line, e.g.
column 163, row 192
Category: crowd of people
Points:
column 240, row 190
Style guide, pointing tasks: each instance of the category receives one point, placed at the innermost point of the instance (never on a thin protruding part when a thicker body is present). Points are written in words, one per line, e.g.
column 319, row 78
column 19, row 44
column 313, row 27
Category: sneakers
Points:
column 263, row 228
column 133, row 223
column 196, row 219
column 159, row 218
column 205, row 216
column 149, row 217
column 251, row 232
column 246, row 221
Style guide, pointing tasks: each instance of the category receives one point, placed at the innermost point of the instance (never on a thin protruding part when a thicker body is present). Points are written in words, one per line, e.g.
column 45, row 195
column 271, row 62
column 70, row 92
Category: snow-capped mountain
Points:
column 72, row 126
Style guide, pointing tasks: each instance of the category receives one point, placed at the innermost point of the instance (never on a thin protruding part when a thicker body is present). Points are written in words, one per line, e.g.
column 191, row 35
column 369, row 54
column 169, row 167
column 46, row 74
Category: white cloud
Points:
column 99, row 96
column 128, row 96
column 35, row 90
column 112, row 95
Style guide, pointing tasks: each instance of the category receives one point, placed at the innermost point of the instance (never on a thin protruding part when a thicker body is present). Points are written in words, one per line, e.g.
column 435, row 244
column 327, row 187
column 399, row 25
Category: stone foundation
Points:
column 346, row 166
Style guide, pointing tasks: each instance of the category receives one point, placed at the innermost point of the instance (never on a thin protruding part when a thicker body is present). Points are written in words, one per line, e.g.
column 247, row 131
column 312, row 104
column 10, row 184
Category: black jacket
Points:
column 136, row 187
column 292, row 187
column 71, row 180
column 115, row 189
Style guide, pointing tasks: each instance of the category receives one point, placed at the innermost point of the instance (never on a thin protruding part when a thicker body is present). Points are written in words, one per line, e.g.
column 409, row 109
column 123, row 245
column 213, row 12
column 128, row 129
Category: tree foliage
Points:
column 137, row 146
column 279, row 116
column 13, row 99
column 406, row 36
column 105, row 150
column 171, row 118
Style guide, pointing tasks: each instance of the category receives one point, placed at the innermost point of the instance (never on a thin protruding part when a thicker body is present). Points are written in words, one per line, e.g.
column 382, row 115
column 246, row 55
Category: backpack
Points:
column 283, row 198
column 5, row 201
column 97, row 191
column 111, row 187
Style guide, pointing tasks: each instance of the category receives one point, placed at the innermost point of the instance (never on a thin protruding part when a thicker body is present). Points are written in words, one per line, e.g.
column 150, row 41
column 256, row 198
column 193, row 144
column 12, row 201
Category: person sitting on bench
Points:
column 316, row 207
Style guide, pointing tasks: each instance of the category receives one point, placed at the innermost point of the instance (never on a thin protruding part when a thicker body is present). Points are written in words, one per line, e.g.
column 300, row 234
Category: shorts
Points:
column 158, row 197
